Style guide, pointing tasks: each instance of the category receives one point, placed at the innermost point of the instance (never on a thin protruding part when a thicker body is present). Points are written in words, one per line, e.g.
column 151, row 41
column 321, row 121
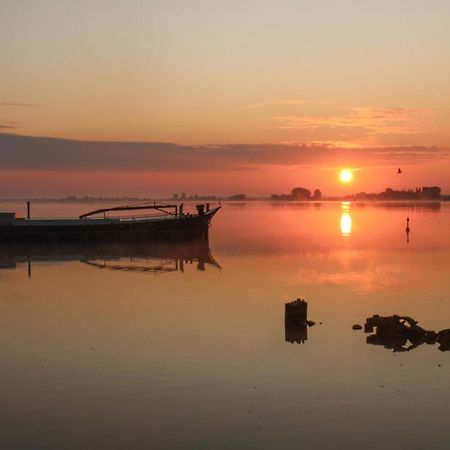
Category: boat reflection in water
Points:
column 133, row 256
column 346, row 219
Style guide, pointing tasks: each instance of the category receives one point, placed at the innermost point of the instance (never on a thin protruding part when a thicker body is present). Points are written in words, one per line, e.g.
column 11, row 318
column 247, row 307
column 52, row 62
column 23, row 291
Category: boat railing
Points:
column 164, row 208
column 139, row 216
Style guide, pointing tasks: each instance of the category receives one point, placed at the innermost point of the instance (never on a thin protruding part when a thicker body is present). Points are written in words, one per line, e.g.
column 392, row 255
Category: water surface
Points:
column 184, row 347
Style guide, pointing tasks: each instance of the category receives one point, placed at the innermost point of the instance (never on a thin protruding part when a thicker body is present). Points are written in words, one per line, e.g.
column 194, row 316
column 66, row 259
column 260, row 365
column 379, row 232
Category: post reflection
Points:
column 346, row 219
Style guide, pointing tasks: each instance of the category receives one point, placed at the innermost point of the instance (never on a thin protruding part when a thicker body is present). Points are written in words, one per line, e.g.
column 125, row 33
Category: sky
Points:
column 149, row 98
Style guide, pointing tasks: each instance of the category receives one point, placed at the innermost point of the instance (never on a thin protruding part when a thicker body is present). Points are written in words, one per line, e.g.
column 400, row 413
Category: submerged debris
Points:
column 402, row 334
column 296, row 321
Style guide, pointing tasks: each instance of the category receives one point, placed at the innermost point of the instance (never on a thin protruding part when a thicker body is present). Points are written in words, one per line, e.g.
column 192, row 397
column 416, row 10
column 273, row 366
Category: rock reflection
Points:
column 144, row 257
column 402, row 334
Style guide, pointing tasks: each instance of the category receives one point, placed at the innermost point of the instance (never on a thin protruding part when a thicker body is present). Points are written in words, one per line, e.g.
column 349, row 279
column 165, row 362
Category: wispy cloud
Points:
column 8, row 125
column 369, row 119
column 298, row 101
column 20, row 105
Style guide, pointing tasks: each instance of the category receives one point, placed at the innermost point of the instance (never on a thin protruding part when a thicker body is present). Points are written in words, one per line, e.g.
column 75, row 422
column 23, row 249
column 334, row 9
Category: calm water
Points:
column 180, row 348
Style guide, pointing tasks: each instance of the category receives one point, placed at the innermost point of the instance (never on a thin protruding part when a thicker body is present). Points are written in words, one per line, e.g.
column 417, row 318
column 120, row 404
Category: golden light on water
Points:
column 346, row 219
column 345, row 176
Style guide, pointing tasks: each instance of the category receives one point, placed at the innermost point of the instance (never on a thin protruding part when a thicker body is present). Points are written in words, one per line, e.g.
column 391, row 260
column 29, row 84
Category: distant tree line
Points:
column 183, row 196
column 298, row 194
column 238, row 197
column 424, row 193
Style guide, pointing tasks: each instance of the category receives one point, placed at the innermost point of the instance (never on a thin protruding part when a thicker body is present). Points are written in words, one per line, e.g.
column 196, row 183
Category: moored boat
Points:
column 149, row 221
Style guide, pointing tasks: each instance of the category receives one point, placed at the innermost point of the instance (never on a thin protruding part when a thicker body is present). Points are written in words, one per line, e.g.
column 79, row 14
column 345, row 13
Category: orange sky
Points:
column 257, row 96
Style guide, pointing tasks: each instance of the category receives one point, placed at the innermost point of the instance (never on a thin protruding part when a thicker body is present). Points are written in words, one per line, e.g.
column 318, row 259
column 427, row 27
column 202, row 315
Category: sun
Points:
column 346, row 175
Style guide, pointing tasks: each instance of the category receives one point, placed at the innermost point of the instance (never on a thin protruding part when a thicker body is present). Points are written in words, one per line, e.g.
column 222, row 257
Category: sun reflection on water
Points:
column 346, row 219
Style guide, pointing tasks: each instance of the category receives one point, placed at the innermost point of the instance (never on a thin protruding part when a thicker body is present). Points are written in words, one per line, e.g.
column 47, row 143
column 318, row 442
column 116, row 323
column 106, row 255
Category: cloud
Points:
column 25, row 105
column 8, row 125
column 369, row 119
column 45, row 153
column 276, row 102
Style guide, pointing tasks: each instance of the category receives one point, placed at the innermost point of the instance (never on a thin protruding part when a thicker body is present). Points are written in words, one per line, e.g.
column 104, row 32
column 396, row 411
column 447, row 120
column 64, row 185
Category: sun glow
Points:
column 345, row 175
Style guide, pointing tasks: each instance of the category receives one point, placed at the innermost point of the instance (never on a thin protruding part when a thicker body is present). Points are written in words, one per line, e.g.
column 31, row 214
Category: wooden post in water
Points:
column 28, row 210
column 295, row 321
column 296, row 312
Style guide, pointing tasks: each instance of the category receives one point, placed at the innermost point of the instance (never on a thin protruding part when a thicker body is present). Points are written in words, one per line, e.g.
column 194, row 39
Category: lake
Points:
column 185, row 347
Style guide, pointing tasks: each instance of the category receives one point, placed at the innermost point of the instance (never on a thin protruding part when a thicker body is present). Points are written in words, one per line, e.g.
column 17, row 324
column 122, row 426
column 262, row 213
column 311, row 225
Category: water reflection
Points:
column 188, row 356
column 418, row 206
column 295, row 334
column 346, row 219
column 144, row 257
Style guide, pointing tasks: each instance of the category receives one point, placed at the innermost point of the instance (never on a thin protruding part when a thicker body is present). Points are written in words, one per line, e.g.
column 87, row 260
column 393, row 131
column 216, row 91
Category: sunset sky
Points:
column 149, row 98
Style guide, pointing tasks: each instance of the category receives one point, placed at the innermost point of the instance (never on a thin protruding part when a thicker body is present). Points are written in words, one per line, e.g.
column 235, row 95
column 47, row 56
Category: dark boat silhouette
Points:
column 150, row 221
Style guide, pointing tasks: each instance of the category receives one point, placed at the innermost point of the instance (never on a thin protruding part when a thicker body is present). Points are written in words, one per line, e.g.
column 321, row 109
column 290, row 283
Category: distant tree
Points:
column 431, row 192
column 281, row 197
column 300, row 193
column 317, row 194
column 238, row 197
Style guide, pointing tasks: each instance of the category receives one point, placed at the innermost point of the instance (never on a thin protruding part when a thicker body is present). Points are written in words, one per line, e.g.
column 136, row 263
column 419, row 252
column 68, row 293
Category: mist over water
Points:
column 185, row 346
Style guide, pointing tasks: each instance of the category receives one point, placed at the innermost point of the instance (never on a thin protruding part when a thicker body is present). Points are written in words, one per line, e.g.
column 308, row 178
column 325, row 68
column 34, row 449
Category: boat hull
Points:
column 170, row 228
